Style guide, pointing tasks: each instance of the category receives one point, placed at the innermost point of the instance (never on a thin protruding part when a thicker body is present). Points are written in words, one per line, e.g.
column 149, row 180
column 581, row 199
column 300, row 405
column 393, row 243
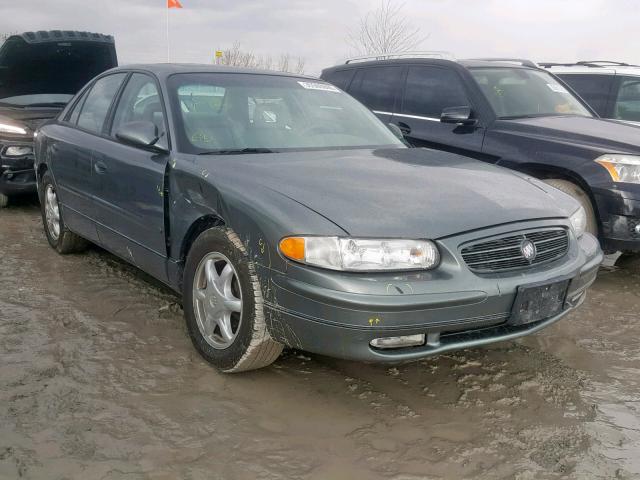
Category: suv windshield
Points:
column 522, row 92
column 253, row 113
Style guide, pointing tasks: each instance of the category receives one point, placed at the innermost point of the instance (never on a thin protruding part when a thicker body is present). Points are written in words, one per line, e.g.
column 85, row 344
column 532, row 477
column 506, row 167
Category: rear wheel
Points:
column 582, row 198
column 59, row 236
column 223, row 304
column 4, row 200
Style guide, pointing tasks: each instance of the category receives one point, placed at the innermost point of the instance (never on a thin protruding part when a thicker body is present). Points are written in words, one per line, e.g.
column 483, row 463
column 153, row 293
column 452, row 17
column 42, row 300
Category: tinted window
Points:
column 376, row 87
column 139, row 102
column 96, row 106
column 340, row 78
column 429, row 90
column 594, row 89
column 627, row 105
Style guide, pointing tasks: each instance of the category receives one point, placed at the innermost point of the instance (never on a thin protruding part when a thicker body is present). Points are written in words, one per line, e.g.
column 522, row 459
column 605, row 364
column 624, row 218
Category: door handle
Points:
column 404, row 128
column 100, row 167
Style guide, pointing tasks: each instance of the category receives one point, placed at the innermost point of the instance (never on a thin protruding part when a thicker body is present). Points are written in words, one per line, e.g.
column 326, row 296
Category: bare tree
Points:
column 4, row 36
column 238, row 57
column 385, row 30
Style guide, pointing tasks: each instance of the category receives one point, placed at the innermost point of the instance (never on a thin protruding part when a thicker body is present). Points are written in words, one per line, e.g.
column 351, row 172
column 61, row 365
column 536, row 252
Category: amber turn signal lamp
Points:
column 293, row 248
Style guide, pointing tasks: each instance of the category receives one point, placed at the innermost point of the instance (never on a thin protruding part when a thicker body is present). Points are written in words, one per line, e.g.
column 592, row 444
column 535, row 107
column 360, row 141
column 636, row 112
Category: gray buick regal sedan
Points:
column 286, row 214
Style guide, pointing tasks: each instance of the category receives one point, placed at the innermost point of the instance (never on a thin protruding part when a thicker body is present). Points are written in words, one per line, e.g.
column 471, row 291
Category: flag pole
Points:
column 168, row 48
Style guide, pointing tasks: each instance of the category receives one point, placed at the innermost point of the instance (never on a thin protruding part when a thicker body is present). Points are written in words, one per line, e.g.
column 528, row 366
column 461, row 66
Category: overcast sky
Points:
column 553, row 30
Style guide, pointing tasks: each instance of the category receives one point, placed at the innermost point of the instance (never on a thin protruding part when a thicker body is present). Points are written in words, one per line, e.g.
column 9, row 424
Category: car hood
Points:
column 608, row 136
column 32, row 118
column 416, row 193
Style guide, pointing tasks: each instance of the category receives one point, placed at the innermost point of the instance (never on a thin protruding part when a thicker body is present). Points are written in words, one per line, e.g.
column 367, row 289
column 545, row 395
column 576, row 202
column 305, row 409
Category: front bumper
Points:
column 17, row 175
column 340, row 314
column 619, row 212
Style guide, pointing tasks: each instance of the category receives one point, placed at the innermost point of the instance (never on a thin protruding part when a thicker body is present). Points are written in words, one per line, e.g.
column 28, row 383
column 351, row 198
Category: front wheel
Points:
column 223, row 304
column 4, row 200
column 629, row 261
column 59, row 236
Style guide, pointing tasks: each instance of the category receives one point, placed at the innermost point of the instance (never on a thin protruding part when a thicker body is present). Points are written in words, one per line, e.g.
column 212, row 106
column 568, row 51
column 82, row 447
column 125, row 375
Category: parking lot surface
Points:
column 98, row 380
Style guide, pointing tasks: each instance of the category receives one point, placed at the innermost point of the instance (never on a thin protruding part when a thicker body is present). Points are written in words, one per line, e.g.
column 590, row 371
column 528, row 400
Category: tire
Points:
column 60, row 238
column 629, row 261
column 4, row 200
column 247, row 345
column 582, row 198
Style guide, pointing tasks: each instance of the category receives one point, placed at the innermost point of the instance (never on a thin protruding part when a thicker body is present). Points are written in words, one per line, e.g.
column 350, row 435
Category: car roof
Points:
column 465, row 63
column 164, row 70
column 593, row 68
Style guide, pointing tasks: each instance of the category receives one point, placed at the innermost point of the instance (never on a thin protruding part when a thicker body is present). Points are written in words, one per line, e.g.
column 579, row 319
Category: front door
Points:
column 130, row 201
column 428, row 91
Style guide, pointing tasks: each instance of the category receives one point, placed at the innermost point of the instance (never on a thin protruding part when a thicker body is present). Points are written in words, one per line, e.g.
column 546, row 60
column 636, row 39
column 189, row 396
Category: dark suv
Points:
column 517, row 115
column 39, row 73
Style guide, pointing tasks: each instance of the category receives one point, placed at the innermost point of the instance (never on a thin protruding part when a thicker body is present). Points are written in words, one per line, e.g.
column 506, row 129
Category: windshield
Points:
column 521, row 92
column 49, row 74
column 226, row 113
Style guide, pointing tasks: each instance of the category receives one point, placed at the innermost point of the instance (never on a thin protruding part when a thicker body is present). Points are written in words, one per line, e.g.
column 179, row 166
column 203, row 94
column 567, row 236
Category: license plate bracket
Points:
column 538, row 302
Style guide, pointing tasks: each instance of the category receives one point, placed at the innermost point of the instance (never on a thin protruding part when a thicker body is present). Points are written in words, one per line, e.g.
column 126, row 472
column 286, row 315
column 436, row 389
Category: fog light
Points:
column 637, row 229
column 17, row 151
column 398, row 342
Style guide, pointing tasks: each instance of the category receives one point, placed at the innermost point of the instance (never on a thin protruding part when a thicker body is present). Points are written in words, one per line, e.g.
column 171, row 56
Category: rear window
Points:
column 377, row 87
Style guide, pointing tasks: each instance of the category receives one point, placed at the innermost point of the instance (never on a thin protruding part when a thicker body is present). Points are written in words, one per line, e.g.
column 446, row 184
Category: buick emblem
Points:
column 528, row 250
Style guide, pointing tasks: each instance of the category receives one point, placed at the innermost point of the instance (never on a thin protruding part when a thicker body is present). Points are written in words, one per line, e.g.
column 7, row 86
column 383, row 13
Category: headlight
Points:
column 6, row 128
column 579, row 221
column 622, row 168
column 18, row 151
column 361, row 254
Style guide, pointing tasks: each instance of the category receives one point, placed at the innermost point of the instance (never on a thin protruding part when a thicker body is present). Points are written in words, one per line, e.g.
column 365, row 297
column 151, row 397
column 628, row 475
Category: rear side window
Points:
column 594, row 89
column 96, row 106
column 627, row 106
column 429, row 90
column 376, row 87
column 72, row 116
column 340, row 78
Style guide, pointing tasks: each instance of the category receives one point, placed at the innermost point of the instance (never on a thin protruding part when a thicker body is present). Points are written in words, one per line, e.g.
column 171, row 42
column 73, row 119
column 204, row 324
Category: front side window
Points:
column 224, row 113
column 140, row 102
column 377, row 87
column 627, row 105
column 594, row 89
column 523, row 92
column 429, row 90
column 96, row 106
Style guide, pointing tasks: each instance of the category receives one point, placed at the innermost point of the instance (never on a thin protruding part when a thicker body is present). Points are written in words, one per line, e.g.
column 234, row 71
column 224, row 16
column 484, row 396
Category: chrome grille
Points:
column 504, row 252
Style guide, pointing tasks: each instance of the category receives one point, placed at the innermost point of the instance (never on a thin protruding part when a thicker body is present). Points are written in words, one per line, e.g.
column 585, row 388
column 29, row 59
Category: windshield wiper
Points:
column 238, row 151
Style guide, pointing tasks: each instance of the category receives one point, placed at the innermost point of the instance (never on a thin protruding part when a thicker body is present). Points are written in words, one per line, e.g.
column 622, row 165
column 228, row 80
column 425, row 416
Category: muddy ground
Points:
column 98, row 380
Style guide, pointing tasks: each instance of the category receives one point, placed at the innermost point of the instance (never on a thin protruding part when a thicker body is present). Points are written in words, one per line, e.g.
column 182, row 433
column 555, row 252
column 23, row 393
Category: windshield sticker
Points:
column 554, row 87
column 319, row 86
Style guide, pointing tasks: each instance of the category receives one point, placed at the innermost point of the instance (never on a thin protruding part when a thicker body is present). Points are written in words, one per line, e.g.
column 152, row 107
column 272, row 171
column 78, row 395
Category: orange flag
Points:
column 173, row 4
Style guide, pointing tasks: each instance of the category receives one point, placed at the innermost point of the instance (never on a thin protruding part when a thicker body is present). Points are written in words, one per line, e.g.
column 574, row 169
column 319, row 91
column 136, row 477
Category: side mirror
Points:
column 140, row 134
column 395, row 129
column 458, row 116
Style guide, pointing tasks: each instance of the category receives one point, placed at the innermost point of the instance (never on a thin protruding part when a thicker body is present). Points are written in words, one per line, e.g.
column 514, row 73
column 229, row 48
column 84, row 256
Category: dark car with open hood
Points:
column 287, row 214
column 39, row 73
column 511, row 113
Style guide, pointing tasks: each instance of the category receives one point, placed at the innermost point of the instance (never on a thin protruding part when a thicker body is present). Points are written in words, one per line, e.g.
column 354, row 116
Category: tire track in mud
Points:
column 98, row 379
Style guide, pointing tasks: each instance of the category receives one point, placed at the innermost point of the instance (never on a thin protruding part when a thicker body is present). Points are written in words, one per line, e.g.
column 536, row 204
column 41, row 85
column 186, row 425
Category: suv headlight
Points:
column 361, row 254
column 14, row 129
column 579, row 222
column 621, row 168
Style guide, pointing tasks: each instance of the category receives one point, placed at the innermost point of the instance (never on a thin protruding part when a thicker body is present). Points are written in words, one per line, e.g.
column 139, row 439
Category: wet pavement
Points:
column 98, row 380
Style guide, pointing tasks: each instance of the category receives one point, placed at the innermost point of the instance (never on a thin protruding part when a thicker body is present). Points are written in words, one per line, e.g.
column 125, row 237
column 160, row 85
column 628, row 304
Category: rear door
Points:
column 428, row 90
column 72, row 153
column 130, row 199
column 378, row 88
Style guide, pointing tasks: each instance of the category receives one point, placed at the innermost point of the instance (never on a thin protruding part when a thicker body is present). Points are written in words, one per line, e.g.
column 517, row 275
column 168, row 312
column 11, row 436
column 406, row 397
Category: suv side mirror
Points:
column 458, row 115
column 395, row 129
column 140, row 134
